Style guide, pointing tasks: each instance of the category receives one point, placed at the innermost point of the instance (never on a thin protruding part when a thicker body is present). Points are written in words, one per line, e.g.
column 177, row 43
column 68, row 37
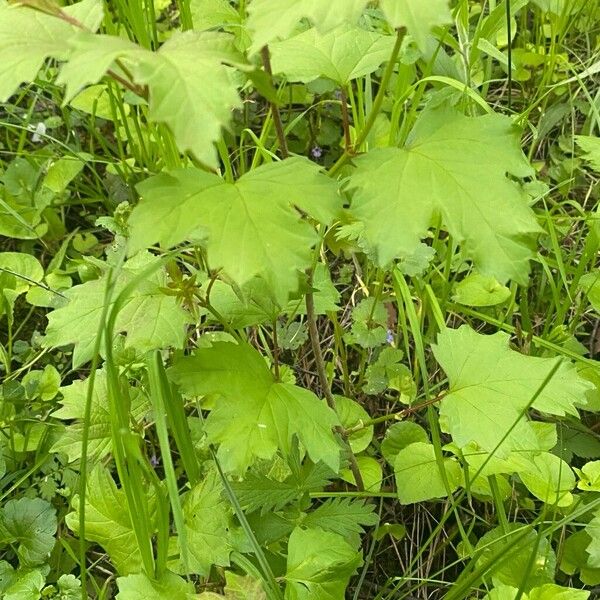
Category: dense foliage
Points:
column 299, row 299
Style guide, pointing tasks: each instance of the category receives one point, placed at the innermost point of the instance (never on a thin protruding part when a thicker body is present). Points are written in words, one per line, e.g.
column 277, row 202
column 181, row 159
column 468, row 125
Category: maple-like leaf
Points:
column 341, row 55
column 150, row 318
column 189, row 86
column 456, row 166
column 28, row 37
column 255, row 415
column 490, row 385
column 418, row 16
column 99, row 426
column 107, row 521
column 269, row 20
column 206, row 516
column 250, row 228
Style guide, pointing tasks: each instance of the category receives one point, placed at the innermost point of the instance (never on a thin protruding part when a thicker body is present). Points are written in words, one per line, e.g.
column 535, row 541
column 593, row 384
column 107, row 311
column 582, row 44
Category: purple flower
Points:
column 317, row 152
column 390, row 336
column 154, row 460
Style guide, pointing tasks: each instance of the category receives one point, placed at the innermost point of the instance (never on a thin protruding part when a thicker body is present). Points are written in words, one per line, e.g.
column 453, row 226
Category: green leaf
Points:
column 418, row 16
column 208, row 14
column 269, row 20
column 575, row 558
column 25, row 268
column 478, row 290
column 589, row 476
column 189, row 86
column 194, row 205
column 22, row 584
column 107, row 521
column 149, row 318
column 490, row 385
column 399, row 436
column 550, row 479
column 29, row 37
column 42, row 384
column 370, row 471
column 141, row 587
column 207, row 517
column 30, row 523
column 351, row 414
column 258, row 491
column 551, row 591
column 418, row 476
column 319, row 565
column 343, row 516
column 590, row 284
column 255, row 415
column 512, row 566
column 341, row 55
column 593, row 549
column 441, row 170
column 591, row 148
column 99, row 427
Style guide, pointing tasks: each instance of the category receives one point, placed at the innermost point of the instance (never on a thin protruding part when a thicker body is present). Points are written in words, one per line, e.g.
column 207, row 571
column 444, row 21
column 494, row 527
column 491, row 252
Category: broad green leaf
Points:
column 551, row 591
column 25, row 268
column 255, row 414
column 343, row 516
column 99, row 427
column 61, row 172
column 243, row 587
column 206, row 516
column 31, row 524
column 341, row 55
column 593, row 530
column 370, row 471
column 149, row 318
column 189, row 86
column 490, row 385
column 590, row 283
column 141, row 587
column 251, row 228
column 589, row 476
column 351, row 414
column 560, row 7
column 319, row 565
column 512, row 556
column 191, row 90
column 478, row 290
column 24, row 584
column 418, row 16
column 28, row 37
column 441, row 170
column 504, row 592
column 399, row 436
column 550, row 479
column 269, row 20
column 208, row 14
column 574, row 558
column 591, row 148
column 107, row 521
column 43, row 384
column 418, row 475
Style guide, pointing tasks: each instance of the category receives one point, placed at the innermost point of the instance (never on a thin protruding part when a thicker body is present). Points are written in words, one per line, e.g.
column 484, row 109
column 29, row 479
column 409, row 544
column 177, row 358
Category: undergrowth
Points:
column 299, row 299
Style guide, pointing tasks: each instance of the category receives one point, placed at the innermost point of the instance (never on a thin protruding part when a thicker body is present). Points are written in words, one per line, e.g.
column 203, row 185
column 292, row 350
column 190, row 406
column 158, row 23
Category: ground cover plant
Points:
column 299, row 299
